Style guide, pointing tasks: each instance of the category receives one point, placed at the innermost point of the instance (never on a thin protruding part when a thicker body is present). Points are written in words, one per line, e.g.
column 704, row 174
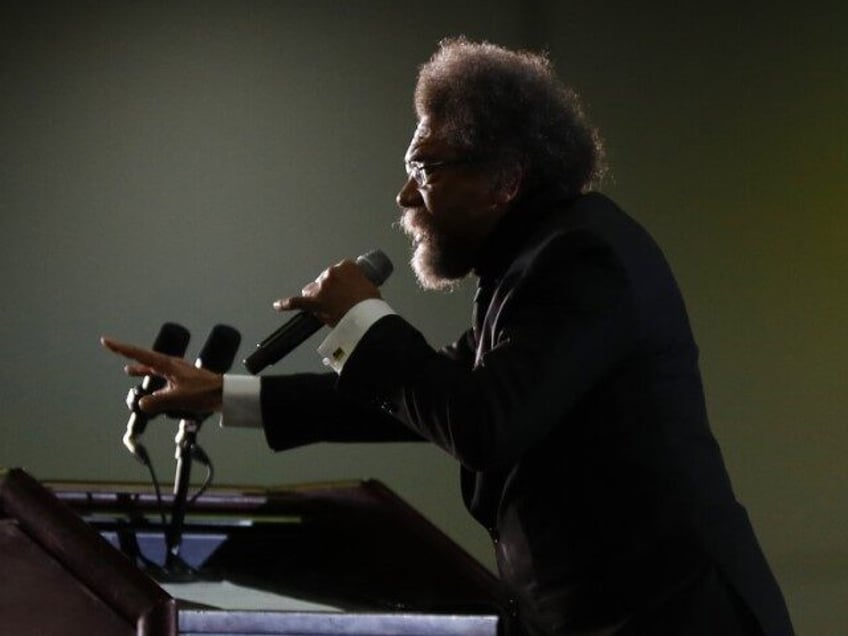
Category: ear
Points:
column 508, row 185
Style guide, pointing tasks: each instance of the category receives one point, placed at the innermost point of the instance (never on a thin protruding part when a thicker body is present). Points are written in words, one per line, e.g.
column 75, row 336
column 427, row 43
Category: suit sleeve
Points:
column 305, row 408
column 560, row 321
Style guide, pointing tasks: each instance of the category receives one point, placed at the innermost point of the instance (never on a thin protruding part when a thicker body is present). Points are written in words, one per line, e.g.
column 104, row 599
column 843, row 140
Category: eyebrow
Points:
column 423, row 157
column 423, row 153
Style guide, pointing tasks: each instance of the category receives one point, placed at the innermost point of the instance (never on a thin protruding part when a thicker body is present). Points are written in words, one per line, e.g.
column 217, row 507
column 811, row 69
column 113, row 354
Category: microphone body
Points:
column 375, row 265
column 172, row 340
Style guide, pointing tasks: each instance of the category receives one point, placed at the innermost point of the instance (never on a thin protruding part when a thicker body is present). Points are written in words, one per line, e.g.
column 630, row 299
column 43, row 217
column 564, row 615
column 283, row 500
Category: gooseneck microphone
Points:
column 375, row 265
column 219, row 350
column 172, row 340
column 217, row 355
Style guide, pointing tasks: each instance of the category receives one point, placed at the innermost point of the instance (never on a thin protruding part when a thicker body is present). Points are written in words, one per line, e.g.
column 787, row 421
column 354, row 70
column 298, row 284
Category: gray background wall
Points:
column 193, row 161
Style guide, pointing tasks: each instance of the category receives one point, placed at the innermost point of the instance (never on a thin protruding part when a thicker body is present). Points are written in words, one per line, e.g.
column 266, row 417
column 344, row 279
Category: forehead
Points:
column 427, row 141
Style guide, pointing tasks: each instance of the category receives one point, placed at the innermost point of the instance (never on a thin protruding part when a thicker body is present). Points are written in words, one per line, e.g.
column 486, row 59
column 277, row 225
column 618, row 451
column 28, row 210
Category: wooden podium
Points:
column 87, row 558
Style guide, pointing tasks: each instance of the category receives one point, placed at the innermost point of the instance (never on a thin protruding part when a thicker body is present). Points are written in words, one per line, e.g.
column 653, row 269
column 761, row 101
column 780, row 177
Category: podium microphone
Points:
column 217, row 355
column 377, row 268
column 219, row 350
column 172, row 340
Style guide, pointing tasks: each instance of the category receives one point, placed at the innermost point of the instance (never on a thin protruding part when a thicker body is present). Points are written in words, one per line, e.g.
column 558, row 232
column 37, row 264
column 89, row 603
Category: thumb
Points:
column 158, row 402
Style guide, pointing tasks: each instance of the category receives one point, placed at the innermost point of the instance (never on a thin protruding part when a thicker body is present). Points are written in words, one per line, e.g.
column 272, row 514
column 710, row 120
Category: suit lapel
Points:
column 479, row 315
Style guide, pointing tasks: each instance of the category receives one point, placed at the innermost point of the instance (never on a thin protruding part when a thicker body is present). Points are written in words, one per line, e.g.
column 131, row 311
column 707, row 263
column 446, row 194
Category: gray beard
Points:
column 439, row 264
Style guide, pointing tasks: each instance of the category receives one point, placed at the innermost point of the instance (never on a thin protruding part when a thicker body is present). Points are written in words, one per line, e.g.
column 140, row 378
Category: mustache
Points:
column 416, row 224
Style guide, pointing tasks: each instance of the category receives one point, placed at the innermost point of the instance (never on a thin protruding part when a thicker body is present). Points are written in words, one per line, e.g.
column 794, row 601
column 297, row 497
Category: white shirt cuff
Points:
column 240, row 402
column 337, row 347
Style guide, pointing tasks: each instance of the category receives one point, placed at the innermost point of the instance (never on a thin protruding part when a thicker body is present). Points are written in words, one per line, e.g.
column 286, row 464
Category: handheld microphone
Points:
column 375, row 265
column 172, row 340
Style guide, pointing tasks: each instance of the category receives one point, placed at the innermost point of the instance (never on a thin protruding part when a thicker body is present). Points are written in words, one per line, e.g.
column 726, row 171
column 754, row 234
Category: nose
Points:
column 409, row 195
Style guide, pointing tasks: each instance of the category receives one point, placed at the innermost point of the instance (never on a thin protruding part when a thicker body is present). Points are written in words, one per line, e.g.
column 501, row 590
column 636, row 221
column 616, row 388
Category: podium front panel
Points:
column 353, row 550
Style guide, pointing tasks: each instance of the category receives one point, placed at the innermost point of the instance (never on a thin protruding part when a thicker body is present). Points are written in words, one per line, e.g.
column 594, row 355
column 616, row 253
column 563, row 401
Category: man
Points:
column 574, row 403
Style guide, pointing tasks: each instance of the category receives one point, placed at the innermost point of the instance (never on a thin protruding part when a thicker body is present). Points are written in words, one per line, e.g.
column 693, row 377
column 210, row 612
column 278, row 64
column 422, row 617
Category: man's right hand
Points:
column 188, row 388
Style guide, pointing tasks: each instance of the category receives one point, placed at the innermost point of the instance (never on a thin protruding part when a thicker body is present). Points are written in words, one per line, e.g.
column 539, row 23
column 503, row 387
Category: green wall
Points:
column 194, row 161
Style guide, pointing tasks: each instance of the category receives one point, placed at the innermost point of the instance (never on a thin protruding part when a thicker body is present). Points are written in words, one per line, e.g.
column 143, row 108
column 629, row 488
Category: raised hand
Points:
column 333, row 293
column 187, row 389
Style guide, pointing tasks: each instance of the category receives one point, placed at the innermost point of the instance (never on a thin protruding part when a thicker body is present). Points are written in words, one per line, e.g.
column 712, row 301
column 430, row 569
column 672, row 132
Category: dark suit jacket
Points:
column 576, row 410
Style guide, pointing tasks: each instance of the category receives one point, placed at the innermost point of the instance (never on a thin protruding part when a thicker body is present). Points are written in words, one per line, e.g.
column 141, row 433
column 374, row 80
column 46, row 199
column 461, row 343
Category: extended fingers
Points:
column 151, row 360
column 160, row 401
column 138, row 370
column 123, row 348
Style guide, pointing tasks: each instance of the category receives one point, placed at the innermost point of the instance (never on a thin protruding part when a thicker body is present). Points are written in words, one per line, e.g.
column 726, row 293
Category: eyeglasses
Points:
column 422, row 171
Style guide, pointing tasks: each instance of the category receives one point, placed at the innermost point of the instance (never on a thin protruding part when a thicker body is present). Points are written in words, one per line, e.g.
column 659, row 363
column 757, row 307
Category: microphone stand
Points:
column 216, row 355
column 187, row 450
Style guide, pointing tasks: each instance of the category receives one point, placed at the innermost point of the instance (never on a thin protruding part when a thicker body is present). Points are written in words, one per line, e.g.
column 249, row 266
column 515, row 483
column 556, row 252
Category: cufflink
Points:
column 335, row 359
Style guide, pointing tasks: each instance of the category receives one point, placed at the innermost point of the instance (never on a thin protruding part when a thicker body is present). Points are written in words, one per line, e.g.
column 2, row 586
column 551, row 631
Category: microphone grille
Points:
column 376, row 266
column 172, row 339
column 220, row 349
